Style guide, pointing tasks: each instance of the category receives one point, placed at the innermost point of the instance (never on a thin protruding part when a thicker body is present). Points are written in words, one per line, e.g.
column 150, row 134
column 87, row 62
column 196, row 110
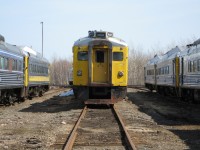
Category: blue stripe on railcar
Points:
column 165, row 80
column 191, row 80
column 10, row 54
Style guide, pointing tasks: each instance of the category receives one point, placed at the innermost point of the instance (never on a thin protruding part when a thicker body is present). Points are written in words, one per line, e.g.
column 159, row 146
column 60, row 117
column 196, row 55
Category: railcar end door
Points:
column 100, row 66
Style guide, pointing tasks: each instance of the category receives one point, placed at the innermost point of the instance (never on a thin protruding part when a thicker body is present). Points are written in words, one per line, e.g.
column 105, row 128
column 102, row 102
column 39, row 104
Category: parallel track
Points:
column 125, row 136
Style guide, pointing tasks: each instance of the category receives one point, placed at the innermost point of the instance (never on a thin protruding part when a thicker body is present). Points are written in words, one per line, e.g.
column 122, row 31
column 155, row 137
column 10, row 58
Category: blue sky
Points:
column 138, row 22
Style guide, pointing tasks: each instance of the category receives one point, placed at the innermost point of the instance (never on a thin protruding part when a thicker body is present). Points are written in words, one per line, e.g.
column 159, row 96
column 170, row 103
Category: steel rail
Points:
column 72, row 137
column 128, row 138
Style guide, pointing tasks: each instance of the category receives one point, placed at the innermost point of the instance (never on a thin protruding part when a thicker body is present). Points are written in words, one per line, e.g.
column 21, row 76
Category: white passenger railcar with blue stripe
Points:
column 177, row 72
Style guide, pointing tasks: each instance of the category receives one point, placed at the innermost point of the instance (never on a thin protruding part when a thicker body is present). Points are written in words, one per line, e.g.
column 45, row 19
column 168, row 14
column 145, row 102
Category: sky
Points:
column 143, row 23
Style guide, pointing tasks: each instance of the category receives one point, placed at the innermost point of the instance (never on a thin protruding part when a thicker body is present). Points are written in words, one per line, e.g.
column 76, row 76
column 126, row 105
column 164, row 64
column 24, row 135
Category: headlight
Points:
column 120, row 73
column 79, row 73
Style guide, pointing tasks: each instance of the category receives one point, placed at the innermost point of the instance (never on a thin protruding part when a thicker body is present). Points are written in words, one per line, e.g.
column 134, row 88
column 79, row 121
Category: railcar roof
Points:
column 10, row 48
column 194, row 49
column 34, row 54
column 171, row 54
column 85, row 41
column 154, row 60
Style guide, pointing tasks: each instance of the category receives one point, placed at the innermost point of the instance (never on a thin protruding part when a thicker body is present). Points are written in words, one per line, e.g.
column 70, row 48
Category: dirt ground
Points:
column 38, row 123
column 153, row 121
column 158, row 122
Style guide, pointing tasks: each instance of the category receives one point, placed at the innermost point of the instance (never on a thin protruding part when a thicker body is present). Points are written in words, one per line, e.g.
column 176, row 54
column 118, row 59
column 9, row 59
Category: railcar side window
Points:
column 194, row 65
column 150, row 72
column 167, row 70
column 190, row 66
column 19, row 65
column 198, row 68
column 14, row 64
column 31, row 68
column 82, row 55
column 6, row 63
column 118, row 56
column 100, row 56
column 1, row 62
column 163, row 70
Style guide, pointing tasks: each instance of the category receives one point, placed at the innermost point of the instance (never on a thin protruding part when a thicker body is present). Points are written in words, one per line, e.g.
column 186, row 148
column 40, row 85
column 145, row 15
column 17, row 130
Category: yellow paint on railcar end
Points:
column 121, row 66
column 80, row 65
column 26, row 71
column 177, row 71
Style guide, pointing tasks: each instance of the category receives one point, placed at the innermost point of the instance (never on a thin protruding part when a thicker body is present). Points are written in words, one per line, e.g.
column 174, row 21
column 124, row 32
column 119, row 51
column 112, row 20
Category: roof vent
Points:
column 2, row 38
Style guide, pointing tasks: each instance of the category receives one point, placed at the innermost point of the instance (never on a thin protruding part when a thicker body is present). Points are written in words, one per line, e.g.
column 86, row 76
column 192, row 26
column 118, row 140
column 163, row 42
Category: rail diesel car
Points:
column 100, row 64
column 23, row 73
column 176, row 73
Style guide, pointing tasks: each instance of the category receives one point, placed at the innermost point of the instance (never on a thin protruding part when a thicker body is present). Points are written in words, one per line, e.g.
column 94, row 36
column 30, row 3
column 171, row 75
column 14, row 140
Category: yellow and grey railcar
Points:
column 36, row 73
column 23, row 73
column 100, row 68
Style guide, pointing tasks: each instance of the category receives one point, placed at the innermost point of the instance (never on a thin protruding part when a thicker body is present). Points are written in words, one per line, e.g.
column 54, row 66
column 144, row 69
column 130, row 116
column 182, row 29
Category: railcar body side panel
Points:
column 165, row 73
column 191, row 77
column 150, row 74
column 11, row 75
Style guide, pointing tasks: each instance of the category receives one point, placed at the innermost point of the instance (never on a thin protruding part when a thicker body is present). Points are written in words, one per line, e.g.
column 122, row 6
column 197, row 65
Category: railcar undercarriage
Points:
column 37, row 91
column 100, row 95
column 9, row 96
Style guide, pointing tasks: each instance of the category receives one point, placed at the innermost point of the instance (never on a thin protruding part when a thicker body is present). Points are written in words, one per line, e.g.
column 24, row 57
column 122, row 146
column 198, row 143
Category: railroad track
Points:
column 99, row 128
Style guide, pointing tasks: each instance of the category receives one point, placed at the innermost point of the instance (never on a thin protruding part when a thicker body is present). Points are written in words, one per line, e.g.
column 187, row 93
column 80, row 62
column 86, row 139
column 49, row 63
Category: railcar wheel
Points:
column 40, row 94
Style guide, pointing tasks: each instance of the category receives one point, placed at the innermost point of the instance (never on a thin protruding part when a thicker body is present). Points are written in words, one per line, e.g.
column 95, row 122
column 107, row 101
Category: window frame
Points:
column 121, row 59
column 81, row 59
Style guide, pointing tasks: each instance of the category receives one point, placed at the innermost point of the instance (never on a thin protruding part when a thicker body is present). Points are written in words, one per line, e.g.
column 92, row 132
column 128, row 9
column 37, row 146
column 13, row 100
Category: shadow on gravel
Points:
column 55, row 104
column 190, row 137
column 170, row 111
column 166, row 110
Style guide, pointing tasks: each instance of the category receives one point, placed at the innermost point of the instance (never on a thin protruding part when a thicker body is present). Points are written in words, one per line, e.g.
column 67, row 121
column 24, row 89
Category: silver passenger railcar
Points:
column 176, row 73
column 11, row 72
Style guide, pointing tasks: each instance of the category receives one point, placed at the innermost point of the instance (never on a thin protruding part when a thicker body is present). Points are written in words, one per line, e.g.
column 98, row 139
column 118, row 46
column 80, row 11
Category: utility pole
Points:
column 42, row 38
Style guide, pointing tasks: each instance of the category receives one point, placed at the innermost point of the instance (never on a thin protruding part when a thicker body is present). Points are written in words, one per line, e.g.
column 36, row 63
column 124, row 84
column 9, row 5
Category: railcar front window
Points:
column 118, row 56
column 100, row 56
column 82, row 55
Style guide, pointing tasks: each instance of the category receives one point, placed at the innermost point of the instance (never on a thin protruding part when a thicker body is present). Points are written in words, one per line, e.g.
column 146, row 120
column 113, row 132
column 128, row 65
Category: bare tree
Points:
column 137, row 60
column 59, row 71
